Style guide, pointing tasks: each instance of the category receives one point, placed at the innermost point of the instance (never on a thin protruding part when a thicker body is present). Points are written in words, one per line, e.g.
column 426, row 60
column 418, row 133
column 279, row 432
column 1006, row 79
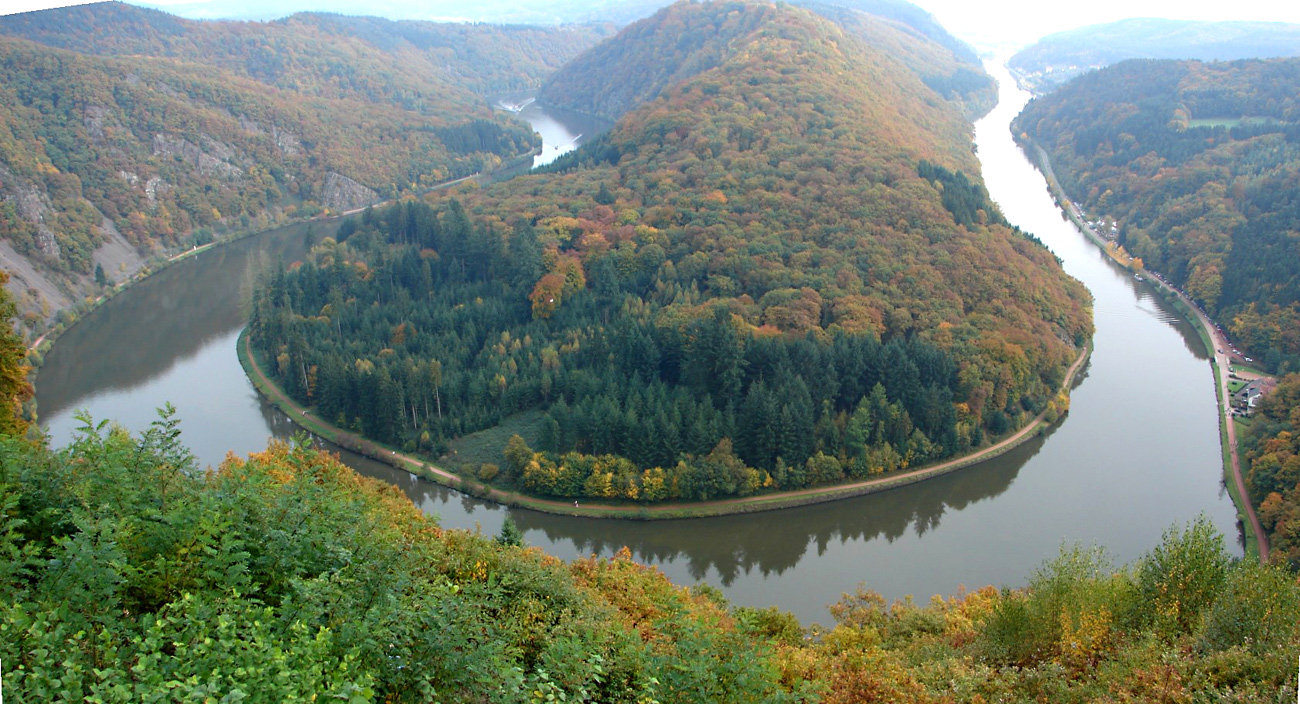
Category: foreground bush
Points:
column 128, row 575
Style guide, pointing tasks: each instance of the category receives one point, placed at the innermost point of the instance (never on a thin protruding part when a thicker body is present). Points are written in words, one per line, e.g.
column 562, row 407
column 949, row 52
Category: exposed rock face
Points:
column 31, row 204
column 341, row 193
column 94, row 119
column 220, row 150
column 286, row 141
column 192, row 154
column 249, row 125
column 43, row 291
column 33, row 290
column 152, row 189
column 119, row 259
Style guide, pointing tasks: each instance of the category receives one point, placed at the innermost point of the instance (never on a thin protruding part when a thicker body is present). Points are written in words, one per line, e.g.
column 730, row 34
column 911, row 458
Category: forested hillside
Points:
column 1272, row 448
column 141, row 132
column 1197, row 163
column 945, row 64
column 513, row 12
column 410, row 64
column 1055, row 59
column 782, row 272
column 615, row 77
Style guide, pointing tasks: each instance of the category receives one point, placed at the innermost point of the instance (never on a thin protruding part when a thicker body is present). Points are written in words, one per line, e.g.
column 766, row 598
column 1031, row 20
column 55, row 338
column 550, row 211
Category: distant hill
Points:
column 944, row 63
column 129, row 133
column 1057, row 58
column 668, row 53
column 423, row 66
column 912, row 16
column 515, row 12
column 1197, row 163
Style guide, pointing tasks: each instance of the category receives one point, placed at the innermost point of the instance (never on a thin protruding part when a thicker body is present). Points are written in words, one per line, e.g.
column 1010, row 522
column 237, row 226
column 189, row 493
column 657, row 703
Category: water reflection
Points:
column 735, row 546
column 732, row 547
column 164, row 320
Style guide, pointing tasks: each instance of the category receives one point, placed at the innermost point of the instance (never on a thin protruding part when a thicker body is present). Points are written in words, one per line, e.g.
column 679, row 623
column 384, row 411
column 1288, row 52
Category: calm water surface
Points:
column 1139, row 451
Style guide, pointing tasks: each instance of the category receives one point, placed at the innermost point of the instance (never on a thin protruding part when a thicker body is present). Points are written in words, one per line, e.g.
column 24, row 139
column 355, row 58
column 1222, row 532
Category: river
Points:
column 1138, row 452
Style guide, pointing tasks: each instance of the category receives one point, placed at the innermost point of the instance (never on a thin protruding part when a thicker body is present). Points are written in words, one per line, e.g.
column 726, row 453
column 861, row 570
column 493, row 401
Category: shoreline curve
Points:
column 303, row 418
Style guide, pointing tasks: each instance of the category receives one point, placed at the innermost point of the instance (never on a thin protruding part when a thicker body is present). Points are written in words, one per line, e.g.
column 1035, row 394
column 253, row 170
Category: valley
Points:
column 965, row 528
column 784, row 277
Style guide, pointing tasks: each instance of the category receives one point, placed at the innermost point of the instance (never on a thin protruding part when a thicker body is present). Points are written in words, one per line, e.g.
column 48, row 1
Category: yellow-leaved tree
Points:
column 15, row 389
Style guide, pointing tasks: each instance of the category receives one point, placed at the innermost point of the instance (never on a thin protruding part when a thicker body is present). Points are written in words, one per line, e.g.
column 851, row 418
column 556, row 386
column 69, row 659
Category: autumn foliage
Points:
column 781, row 272
column 1195, row 163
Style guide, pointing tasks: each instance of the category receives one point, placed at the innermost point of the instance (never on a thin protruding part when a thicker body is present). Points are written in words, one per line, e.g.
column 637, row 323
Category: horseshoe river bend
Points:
column 1138, row 452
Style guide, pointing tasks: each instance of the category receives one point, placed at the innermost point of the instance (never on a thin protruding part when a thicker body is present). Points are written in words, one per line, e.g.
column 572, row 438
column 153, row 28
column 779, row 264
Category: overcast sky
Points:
column 998, row 21
column 1025, row 20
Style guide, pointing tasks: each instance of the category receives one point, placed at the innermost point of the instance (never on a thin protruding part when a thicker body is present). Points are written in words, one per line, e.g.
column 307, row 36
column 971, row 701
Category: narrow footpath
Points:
column 695, row 509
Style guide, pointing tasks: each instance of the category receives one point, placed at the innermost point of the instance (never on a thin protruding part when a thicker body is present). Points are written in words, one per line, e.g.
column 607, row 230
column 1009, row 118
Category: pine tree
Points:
column 510, row 534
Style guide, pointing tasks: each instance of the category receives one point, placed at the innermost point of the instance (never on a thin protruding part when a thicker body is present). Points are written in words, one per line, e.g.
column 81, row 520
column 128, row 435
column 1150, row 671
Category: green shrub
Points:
column 1180, row 578
column 1258, row 609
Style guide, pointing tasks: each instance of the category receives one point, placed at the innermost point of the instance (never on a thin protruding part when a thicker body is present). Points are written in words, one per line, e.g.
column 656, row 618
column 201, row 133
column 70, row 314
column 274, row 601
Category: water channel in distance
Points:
column 1138, row 452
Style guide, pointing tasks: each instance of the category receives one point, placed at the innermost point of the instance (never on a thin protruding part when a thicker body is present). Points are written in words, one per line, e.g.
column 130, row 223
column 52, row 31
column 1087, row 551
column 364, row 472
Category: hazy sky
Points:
column 1023, row 21
column 999, row 21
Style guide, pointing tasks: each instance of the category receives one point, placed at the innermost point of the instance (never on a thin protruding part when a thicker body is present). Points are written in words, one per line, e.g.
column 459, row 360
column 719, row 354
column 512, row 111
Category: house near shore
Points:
column 1248, row 396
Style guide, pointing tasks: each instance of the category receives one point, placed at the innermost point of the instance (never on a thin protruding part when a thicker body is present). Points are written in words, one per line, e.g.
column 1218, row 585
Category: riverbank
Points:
column 303, row 418
column 39, row 347
column 1256, row 539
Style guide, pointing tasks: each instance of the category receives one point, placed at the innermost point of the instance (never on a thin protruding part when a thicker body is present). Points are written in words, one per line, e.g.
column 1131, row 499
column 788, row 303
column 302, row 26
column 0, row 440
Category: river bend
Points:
column 1138, row 452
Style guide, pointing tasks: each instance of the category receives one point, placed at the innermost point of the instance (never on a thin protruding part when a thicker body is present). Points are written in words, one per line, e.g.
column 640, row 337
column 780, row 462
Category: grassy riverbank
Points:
column 767, row 502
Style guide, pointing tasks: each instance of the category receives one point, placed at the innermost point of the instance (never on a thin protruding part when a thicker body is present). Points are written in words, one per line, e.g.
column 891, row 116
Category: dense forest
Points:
column 499, row 12
column 1272, row 449
column 703, row 303
column 1055, row 59
column 131, row 131
column 615, row 77
column 946, row 65
column 427, row 67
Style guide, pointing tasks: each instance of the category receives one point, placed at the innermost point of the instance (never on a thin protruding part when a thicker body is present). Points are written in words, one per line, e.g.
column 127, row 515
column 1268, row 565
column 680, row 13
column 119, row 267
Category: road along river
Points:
column 1137, row 453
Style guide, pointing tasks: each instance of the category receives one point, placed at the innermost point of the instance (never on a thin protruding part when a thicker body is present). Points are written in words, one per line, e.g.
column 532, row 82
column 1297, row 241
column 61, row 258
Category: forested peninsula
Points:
column 1194, row 165
column 780, row 272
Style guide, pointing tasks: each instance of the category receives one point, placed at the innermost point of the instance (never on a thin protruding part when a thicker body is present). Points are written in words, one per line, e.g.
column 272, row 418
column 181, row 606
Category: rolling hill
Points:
column 662, row 55
column 1057, row 58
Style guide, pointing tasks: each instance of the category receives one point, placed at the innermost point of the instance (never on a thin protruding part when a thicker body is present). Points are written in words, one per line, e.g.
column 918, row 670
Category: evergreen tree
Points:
column 510, row 534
